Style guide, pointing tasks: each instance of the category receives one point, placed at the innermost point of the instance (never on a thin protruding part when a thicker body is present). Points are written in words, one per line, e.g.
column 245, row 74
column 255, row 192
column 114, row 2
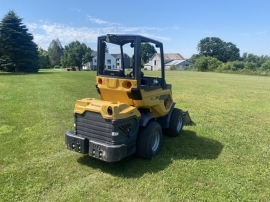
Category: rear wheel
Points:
column 149, row 140
column 176, row 123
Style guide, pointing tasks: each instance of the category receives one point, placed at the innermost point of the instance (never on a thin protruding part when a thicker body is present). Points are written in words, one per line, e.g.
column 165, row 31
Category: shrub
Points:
column 56, row 67
column 238, row 65
column 250, row 65
column 233, row 66
column 207, row 64
column 173, row 67
column 228, row 66
column 266, row 66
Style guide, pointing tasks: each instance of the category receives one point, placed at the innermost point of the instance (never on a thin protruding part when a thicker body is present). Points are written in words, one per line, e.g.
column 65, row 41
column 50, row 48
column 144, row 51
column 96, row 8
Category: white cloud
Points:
column 162, row 38
column 31, row 26
column 136, row 29
column 45, row 32
column 101, row 22
column 96, row 20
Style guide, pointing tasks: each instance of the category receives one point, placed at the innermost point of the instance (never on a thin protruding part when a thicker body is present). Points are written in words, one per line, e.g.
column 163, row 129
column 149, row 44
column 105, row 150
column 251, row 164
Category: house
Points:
column 119, row 60
column 170, row 59
column 178, row 64
column 89, row 65
column 110, row 62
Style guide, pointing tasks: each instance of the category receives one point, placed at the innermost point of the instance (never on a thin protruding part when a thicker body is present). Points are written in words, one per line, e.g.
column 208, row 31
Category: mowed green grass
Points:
column 225, row 156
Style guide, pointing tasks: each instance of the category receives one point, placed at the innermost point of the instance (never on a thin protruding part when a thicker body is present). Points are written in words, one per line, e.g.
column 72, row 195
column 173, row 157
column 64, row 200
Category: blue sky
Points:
column 179, row 24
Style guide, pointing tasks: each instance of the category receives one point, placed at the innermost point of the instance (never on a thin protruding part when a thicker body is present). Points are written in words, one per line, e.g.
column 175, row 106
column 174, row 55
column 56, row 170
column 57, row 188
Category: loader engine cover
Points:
column 104, row 130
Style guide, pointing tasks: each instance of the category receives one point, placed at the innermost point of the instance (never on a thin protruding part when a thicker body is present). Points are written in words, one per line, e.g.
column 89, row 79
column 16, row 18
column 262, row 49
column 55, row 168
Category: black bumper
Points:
column 109, row 153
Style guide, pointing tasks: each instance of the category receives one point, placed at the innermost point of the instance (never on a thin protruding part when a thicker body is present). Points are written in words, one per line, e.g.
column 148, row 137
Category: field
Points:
column 225, row 156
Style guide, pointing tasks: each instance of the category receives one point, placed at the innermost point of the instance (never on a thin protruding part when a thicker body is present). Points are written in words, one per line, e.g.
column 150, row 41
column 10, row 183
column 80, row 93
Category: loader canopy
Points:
column 121, row 56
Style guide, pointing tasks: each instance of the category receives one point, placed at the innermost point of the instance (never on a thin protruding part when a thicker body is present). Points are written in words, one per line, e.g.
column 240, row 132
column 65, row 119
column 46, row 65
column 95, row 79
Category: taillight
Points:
column 100, row 81
column 129, row 84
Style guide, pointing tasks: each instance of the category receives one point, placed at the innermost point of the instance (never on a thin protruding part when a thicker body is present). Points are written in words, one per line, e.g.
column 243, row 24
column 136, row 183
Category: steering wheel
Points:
column 130, row 74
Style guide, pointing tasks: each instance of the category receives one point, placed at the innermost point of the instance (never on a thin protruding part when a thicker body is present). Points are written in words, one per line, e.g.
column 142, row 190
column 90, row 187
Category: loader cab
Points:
column 120, row 56
column 121, row 77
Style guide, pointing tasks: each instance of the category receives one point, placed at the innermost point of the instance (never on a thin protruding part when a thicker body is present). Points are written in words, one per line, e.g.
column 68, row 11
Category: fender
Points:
column 145, row 118
column 164, row 121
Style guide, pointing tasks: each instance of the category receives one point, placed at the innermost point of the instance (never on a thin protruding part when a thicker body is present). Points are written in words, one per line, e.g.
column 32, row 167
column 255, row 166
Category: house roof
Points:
column 167, row 61
column 172, row 56
column 175, row 62
column 118, row 55
column 94, row 53
column 168, row 57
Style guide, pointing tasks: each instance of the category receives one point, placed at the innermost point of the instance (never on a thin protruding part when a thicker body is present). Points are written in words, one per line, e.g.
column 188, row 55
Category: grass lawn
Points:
column 224, row 157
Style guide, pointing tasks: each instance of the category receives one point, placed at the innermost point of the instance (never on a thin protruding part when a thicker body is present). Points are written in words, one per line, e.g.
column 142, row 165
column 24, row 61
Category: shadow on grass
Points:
column 187, row 147
column 22, row 74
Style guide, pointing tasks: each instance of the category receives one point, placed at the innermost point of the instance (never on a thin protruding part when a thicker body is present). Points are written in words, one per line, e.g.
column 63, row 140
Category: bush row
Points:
column 212, row 64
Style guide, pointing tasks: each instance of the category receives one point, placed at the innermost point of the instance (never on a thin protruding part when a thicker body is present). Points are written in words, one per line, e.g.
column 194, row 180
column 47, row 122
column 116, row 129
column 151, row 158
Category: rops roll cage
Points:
column 135, row 42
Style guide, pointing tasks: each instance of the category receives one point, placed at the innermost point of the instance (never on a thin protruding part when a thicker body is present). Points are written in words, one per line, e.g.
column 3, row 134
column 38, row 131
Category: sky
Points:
column 178, row 24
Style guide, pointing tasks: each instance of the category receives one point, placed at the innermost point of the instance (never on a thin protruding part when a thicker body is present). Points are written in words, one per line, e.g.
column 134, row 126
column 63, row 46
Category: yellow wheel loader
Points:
column 135, row 108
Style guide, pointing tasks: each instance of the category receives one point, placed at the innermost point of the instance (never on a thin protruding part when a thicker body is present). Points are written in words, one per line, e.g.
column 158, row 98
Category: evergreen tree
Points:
column 55, row 52
column 18, row 52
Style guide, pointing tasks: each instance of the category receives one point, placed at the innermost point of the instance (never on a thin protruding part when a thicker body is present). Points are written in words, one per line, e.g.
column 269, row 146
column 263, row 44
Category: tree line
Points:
column 19, row 53
column 218, row 55
column 73, row 54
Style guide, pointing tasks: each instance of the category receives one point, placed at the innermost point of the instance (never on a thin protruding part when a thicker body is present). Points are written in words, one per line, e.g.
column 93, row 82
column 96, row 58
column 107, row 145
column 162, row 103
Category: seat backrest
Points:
column 114, row 72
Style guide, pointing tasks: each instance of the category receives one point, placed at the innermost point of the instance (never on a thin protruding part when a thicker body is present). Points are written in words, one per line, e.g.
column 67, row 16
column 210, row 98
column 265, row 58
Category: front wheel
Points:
column 176, row 123
column 150, row 139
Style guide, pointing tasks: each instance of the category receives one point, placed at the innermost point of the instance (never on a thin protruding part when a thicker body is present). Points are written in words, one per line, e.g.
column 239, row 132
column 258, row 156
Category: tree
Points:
column 148, row 51
column 55, row 52
column 76, row 54
column 232, row 53
column 44, row 60
column 266, row 66
column 194, row 57
column 18, row 52
column 207, row 64
column 258, row 60
column 215, row 47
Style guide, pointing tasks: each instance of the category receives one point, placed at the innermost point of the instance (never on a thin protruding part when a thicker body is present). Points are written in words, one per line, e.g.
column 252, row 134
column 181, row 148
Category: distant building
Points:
column 112, row 61
column 119, row 60
column 170, row 59
column 90, row 65
column 179, row 64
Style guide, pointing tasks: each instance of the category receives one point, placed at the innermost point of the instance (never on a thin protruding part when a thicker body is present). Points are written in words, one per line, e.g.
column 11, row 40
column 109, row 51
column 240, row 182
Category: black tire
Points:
column 149, row 141
column 176, row 124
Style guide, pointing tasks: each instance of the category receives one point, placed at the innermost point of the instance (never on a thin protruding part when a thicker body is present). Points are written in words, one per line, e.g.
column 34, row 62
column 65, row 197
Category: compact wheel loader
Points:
column 135, row 108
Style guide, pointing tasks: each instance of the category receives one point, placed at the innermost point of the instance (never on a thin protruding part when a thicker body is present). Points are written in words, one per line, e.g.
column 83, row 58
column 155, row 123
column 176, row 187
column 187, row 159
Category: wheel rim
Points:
column 155, row 141
column 179, row 123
